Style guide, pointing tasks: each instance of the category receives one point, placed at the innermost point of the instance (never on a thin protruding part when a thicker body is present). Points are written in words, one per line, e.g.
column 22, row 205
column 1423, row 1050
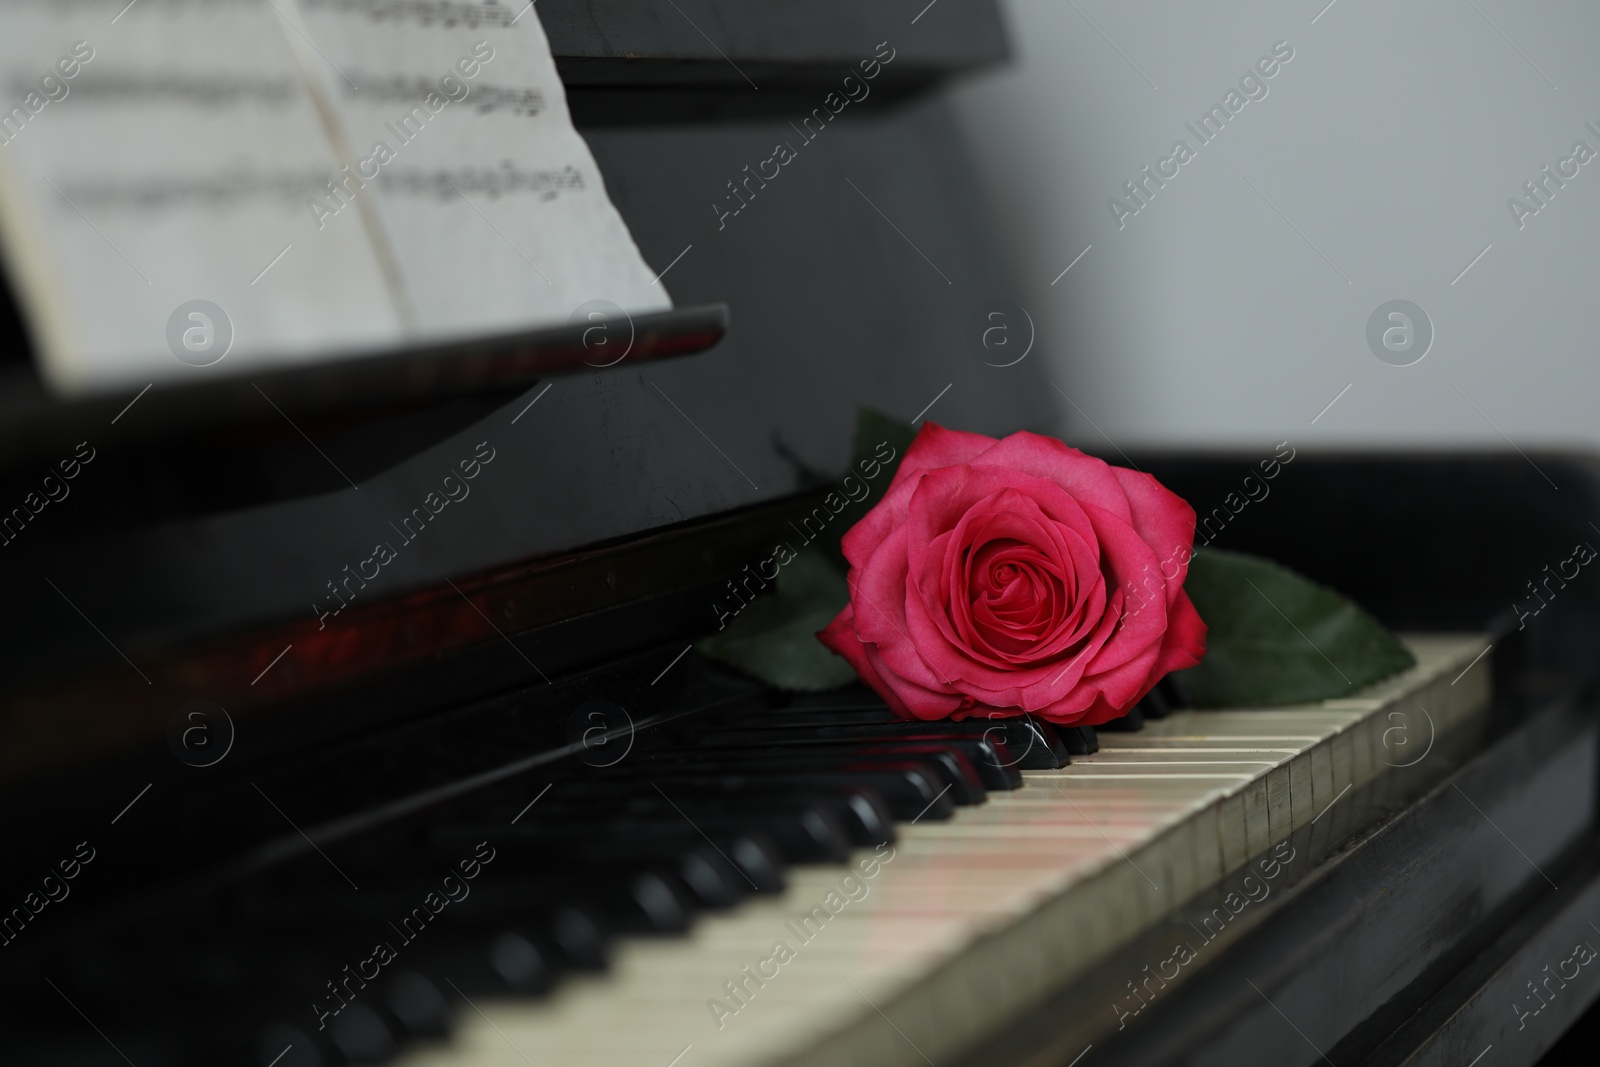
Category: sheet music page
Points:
column 161, row 153
column 458, row 137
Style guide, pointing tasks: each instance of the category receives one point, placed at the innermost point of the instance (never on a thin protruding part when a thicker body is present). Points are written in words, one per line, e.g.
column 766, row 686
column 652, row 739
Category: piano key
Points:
column 286, row 1045
column 1077, row 740
column 860, row 810
column 800, row 831
column 970, row 765
column 1031, row 739
column 498, row 959
column 361, row 1035
column 841, row 761
column 1155, row 704
column 1022, row 891
column 1030, row 886
column 639, row 898
column 1132, row 722
column 1173, row 690
column 1026, row 739
column 1038, row 745
column 418, row 1004
column 908, row 789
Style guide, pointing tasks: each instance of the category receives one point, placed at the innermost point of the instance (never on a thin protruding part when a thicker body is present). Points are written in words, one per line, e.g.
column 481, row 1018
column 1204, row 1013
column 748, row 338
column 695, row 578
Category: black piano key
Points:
column 909, row 789
column 282, row 1045
column 904, row 788
column 834, row 724
column 258, row 1025
column 795, row 790
column 582, row 941
column 362, row 1035
column 860, row 810
column 861, row 813
column 282, row 1040
column 418, row 1004
column 812, row 835
column 1031, row 741
column 990, row 757
column 859, row 769
column 518, row 960
column 855, row 699
column 496, row 959
column 74, row 1043
column 600, row 826
column 803, row 832
column 58, row 1050
column 782, row 718
column 748, row 858
column 1132, row 722
column 640, row 900
column 1175, row 692
column 1034, row 743
column 672, row 831
column 714, row 881
column 956, row 759
column 364, row 1022
column 506, row 948
column 1154, row 704
column 971, row 766
column 865, row 815
column 627, row 898
column 503, row 951
column 173, row 971
column 704, row 866
column 648, row 902
column 1079, row 740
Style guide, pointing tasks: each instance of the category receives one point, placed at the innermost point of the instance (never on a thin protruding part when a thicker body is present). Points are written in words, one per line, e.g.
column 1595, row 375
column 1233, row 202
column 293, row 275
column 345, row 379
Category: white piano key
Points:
column 1230, row 824
column 972, row 918
column 1257, row 826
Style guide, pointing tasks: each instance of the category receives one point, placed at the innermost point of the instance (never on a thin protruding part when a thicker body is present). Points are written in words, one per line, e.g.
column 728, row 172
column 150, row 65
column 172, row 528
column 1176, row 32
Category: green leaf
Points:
column 873, row 428
column 774, row 638
column 1277, row 638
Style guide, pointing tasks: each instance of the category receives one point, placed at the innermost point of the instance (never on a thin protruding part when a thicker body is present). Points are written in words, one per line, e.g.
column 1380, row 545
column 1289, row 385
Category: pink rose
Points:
column 1014, row 576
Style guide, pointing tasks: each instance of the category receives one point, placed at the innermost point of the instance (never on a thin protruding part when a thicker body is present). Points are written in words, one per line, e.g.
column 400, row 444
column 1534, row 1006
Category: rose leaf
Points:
column 774, row 638
column 1276, row 638
column 873, row 428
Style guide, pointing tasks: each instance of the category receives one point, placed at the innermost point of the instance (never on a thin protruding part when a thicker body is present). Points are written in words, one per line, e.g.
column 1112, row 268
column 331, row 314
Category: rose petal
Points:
column 934, row 447
column 904, row 699
column 938, row 576
column 1165, row 522
column 1182, row 646
column 1089, row 480
column 1014, row 575
column 942, row 498
column 881, row 593
column 1184, row 643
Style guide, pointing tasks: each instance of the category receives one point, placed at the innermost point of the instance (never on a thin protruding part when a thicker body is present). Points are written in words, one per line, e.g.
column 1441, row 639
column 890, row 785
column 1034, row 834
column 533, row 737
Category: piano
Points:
column 491, row 808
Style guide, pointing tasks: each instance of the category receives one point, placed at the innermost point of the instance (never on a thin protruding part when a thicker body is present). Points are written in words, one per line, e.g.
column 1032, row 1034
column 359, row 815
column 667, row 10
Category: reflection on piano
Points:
column 499, row 812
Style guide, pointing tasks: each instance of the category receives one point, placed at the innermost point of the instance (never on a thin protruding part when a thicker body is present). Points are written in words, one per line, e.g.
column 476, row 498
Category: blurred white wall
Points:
column 1234, row 306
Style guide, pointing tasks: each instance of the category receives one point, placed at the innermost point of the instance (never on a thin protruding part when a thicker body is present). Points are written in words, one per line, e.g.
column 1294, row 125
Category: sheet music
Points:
column 456, row 131
column 171, row 166
column 266, row 181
